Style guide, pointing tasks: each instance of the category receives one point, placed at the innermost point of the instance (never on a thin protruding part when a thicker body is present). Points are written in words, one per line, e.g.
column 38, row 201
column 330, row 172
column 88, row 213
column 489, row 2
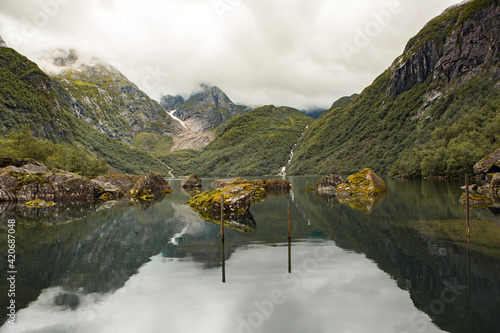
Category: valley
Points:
column 439, row 101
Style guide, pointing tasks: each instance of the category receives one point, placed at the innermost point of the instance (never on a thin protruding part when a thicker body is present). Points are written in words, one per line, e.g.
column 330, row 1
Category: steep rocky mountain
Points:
column 2, row 42
column 435, row 111
column 205, row 109
column 103, row 97
column 203, row 112
column 28, row 96
column 257, row 142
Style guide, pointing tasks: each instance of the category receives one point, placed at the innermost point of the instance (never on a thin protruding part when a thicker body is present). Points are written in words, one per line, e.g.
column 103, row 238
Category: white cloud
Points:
column 282, row 52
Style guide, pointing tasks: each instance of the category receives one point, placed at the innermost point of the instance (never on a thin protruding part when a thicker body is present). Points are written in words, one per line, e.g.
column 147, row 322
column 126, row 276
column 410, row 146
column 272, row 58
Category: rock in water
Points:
column 364, row 183
column 190, row 181
column 476, row 200
column 150, row 185
column 218, row 183
column 329, row 183
column 237, row 200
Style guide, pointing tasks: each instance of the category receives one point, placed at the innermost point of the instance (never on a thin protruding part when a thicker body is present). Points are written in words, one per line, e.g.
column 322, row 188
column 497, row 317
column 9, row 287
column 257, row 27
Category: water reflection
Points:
column 331, row 290
column 407, row 266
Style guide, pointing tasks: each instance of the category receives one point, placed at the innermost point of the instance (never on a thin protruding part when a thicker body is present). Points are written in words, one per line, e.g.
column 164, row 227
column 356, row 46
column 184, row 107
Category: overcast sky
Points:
column 299, row 53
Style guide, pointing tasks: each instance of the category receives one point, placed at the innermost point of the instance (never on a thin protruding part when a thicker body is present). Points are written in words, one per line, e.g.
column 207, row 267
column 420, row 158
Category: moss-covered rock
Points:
column 237, row 199
column 476, row 200
column 270, row 185
column 39, row 203
column 329, row 183
column 277, row 185
column 218, row 183
column 149, row 186
column 190, row 181
column 364, row 183
column 362, row 191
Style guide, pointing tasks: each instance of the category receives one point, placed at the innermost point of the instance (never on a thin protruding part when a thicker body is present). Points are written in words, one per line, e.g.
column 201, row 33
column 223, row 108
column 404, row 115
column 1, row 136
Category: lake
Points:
column 400, row 264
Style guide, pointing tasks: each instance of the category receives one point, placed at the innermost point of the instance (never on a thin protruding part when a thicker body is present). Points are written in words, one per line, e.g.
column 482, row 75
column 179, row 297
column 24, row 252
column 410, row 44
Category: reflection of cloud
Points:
column 345, row 293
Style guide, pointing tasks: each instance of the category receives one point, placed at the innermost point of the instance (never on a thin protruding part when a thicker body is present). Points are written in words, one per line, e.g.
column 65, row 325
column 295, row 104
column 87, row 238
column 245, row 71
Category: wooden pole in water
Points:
column 223, row 262
column 467, row 207
column 222, row 216
column 289, row 226
column 289, row 255
column 289, row 241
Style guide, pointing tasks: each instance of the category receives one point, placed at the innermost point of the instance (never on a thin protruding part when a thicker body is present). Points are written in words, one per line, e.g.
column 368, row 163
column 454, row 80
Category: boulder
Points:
column 123, row 182
column 489, row 164
column 33, row 181
column 151, row 185
column 237, row 200
column 364, row 183
column 476, row 200
column 190, row 181
column 270, row 185
column 218, row 183
column 329, row 183
column 69, row 186
column 277, row 185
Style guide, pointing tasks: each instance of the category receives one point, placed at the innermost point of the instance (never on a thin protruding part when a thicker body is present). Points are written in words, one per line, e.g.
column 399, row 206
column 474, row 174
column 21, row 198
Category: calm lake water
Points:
column 401, row 264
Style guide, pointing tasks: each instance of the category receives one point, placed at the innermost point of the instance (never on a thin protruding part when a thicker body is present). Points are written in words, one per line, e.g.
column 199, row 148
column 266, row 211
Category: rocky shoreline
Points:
column 32, row 184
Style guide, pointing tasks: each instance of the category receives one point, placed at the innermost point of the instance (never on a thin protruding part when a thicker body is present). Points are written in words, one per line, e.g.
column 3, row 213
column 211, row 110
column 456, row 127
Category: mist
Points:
column 303, row 54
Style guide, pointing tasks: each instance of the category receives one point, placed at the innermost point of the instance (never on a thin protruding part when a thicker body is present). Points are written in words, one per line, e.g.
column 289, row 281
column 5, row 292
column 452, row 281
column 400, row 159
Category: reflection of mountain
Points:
column 414, row 235
column 417, row 236
column 97, row 253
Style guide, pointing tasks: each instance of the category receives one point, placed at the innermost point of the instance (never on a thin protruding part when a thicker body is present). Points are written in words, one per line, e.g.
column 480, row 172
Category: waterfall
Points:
column 290, row 156
column 171, row 114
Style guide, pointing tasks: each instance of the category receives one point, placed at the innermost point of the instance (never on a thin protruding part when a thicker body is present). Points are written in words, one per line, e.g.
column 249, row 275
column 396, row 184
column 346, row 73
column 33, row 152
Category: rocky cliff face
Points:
column 207, row 108
column 452, row 48
column 437, row 103
column 203, row 112
column 103, row 97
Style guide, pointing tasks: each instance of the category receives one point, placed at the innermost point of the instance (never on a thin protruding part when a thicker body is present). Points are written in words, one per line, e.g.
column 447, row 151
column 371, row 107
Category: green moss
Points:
column 476, row 200
column 364, row 183
column 38, row 203
column 208, row 203
column 28, row 178
column 106, row 197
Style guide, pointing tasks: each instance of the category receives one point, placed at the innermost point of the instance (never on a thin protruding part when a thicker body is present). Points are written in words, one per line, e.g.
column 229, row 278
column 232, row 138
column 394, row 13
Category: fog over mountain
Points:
column 300, row 53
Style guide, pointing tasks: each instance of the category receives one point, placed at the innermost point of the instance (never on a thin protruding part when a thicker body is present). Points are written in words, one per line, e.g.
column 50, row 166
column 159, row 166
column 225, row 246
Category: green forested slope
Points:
column 255, row 143
column 29, row 97
column 434, row 112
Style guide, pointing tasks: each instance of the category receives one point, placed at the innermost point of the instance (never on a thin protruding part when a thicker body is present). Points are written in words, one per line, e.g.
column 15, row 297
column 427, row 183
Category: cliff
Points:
column 451, row 49
column 433, row 112
column 103, row 97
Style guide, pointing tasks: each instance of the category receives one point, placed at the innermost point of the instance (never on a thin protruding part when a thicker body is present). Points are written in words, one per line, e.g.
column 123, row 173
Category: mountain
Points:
column 2, row 42
column 435, row 111
column 257, row 142
column 203, row 112
column 28, row 96
column 103, row 97
column 205, row 109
